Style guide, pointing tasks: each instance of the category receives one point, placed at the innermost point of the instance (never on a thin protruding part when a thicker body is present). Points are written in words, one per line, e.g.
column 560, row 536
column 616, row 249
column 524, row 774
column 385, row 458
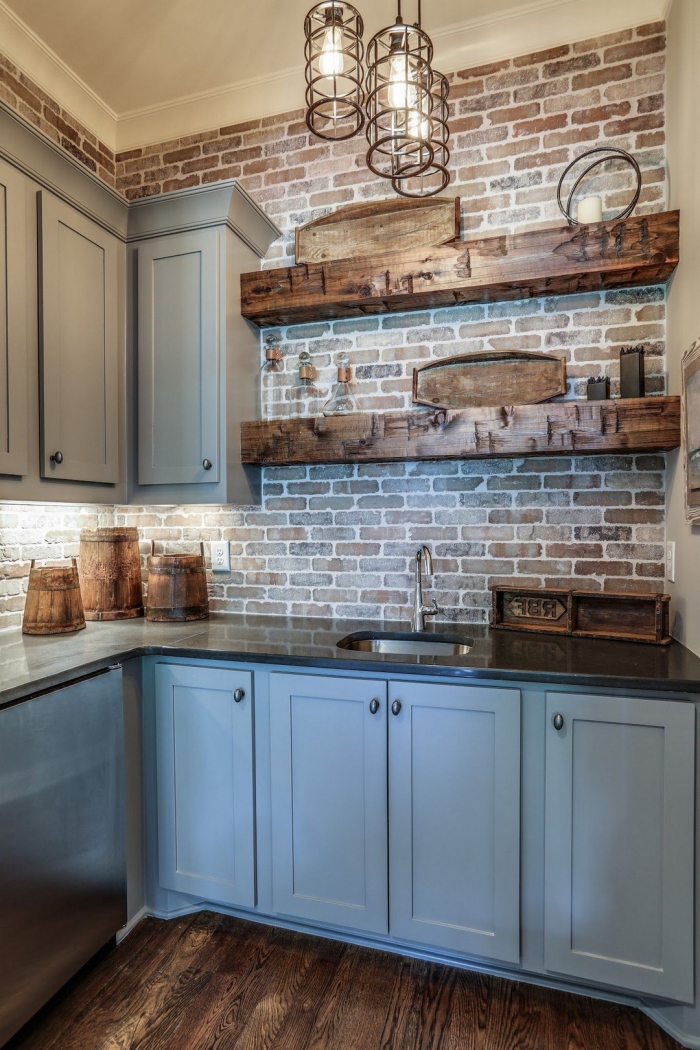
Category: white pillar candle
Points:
column 590, row 209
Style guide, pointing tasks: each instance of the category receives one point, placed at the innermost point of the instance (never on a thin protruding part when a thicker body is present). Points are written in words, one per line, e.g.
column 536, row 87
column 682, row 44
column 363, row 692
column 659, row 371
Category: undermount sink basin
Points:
column 406, row 643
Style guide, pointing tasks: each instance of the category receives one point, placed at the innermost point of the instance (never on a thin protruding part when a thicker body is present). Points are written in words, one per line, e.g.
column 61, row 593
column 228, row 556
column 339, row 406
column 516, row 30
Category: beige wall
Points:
column 683, row 121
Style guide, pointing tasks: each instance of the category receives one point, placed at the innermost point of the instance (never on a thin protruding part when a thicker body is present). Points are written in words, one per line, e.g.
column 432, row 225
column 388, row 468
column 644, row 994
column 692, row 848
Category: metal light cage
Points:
column 334, row 74
column 399, row 102
column 436, row 177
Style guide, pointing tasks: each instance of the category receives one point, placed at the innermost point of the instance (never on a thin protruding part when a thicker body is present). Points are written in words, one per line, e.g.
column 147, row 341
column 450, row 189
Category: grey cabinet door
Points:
column 206, row 810
column 14, row 458
column 179, row 331
column 79, row 342
column 619, row 842
column 454, row 818
column 329, row 800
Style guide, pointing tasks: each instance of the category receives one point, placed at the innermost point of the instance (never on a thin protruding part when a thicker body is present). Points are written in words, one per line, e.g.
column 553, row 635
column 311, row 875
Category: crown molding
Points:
column 29, row 53
column 532, row 26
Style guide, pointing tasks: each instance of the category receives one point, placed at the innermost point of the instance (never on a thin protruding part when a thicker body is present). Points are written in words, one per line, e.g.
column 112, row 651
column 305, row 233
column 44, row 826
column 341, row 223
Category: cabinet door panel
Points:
column 329, row 800
column 454, row 818
column 78, row 313
column 178, row 359
column 205, row 783
column 14, row 458
column 619, row 842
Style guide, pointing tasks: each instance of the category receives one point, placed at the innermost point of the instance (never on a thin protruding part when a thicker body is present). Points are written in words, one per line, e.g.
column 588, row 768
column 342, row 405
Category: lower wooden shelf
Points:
column 556, row 428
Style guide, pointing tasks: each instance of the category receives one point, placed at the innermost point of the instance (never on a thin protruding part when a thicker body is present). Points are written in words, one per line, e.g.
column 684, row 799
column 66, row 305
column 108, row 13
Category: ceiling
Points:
column 158, row 69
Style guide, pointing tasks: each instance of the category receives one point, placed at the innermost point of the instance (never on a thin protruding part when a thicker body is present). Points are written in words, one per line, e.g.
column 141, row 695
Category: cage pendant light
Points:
column 436, row 177
column 400, row 102
column 334, row 72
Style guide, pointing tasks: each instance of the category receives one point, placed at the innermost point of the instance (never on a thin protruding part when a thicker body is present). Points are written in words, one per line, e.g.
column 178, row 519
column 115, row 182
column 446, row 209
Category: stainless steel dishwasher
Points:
column 62, row 842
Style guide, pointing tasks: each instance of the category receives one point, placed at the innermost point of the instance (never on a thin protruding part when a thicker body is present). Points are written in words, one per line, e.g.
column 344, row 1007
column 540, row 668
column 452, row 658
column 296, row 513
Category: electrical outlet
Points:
column 671, row 561
column 220, row 557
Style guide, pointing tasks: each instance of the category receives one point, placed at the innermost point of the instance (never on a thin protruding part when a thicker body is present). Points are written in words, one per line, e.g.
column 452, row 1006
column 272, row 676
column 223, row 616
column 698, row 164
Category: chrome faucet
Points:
column 420, row 611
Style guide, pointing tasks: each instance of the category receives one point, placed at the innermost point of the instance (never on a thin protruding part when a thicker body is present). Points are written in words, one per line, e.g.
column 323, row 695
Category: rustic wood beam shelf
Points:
column 557, row 261
column 557, row 428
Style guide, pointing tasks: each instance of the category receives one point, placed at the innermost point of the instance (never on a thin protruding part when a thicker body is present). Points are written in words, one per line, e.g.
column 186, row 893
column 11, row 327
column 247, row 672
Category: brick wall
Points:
column 339, row 540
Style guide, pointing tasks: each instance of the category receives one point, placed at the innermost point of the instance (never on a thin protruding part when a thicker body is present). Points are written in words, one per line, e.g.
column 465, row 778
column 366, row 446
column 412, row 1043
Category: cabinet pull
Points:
column 238, row 695
column 558, row 722
column 396, row 707
column 56, row 458
column 373, row 706
column 207, row 464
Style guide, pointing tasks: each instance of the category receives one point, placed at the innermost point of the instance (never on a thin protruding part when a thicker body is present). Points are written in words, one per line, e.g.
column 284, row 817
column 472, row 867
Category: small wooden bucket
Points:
column 177, row 587
column 54, row 605
column 110, row 574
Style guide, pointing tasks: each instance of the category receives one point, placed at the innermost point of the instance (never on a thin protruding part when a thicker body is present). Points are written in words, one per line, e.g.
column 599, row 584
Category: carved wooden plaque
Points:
column 489, row 379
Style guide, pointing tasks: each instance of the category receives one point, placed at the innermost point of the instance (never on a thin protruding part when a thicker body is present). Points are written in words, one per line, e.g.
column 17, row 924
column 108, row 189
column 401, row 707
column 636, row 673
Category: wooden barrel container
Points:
column 177, row 587
column 54, row 605
column 110, row 574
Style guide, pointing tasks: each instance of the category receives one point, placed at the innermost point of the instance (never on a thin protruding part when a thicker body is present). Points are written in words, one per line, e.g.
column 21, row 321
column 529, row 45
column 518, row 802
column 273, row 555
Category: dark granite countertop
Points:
column 29, row 665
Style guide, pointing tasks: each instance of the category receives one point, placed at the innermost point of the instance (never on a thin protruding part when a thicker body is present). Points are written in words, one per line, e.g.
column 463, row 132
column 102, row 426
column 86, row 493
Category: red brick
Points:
column 623, row 52
column 180, row 184
column 651, row 29
column 598, row 113
column 645, row 123
column 571, row 65
column 541, row 160
column 187, row 153
column 535, row 58
column 597, row 43
column 607, row 75
column 513, row 113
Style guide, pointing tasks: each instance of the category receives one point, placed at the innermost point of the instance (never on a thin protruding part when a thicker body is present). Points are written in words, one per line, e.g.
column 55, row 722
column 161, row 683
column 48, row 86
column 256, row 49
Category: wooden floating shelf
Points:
column 555, row 261
column 558, row 428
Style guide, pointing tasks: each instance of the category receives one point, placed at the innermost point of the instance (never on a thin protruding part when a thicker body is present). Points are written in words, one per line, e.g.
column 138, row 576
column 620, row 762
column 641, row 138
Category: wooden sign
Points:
column 491, row 378
column 358, row 230
column 583, row 614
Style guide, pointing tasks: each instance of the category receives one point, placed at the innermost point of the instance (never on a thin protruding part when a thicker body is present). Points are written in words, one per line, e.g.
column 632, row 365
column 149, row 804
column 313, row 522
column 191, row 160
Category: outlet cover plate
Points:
column 221, row 557
column 671, row 561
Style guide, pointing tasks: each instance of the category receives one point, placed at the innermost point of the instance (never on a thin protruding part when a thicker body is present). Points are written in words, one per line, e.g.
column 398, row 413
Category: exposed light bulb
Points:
column 418, row 125
column 330, row 61
column 402, row 94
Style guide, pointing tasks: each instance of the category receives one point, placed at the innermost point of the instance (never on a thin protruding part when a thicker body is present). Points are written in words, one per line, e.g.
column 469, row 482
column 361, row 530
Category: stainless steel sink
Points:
column 406, row 643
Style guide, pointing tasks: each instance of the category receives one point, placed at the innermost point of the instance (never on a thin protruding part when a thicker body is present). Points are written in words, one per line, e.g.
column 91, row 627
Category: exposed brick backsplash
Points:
column 339, row 540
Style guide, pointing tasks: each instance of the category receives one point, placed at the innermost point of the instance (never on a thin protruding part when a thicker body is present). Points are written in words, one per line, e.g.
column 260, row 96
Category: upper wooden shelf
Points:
column 556, row 261
column 650, row 424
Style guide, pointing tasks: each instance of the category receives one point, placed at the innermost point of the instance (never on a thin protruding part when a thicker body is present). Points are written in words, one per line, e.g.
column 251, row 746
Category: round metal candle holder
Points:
column 609, row 153
column 399, row 102
column 436, row 177
column 334, row 74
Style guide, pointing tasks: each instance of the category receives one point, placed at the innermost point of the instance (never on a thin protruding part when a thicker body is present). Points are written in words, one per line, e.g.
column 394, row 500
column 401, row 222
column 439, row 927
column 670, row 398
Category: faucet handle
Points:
column 432, row 610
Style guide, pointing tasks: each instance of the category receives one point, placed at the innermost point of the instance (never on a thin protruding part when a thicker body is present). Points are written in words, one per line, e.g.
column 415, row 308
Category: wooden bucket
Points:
column 177, row 587
column 54, row 605
column 110, row 574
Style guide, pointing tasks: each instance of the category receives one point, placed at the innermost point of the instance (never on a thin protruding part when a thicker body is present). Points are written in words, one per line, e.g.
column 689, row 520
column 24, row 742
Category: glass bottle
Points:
column 304, row 395
column 341, row 403
column 270, row 378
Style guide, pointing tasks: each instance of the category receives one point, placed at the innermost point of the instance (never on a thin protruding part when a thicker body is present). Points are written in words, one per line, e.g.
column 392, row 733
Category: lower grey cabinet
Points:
column 206, row 810
column 454, row 817
column 619, row 842
column 329, row 800
column 79, row 342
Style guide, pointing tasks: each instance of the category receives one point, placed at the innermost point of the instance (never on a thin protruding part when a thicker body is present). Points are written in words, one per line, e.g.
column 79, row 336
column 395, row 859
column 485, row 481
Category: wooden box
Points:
column 583, row 614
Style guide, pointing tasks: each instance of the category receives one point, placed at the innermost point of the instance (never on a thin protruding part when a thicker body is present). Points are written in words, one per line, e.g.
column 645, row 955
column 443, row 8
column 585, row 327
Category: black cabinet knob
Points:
column 56, row 458
column 207, row 464
column 558, row 722
column 238, row 695
column 374, row 706
column 396, row 707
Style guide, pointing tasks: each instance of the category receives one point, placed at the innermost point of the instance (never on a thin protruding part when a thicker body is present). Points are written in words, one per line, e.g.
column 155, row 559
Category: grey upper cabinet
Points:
column 196, row 359
column 79, row 345
column 329, row 800
column 454, row 817
column 619, row 842
column 179, row 353
column 14, row 448
column 206, row 810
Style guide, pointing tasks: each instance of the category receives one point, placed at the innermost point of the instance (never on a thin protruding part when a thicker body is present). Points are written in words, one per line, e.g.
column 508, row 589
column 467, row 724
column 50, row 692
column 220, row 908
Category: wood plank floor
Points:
column 208, row 982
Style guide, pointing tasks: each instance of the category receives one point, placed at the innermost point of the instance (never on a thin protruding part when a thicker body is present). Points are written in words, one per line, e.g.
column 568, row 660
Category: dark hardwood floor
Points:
column 208, row 982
